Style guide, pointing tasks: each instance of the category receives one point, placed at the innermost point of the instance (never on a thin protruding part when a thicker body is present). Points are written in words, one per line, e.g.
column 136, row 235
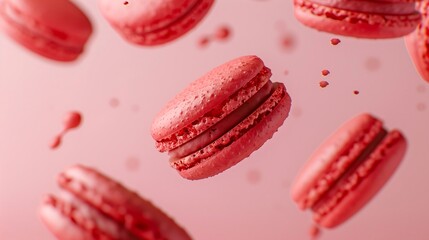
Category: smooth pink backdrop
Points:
column 250, row 201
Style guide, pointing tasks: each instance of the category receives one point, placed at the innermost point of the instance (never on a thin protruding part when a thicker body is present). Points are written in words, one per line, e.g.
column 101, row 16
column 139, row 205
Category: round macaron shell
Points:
column 242, row 147
column 154, row 22
column 390, row 153
column 418, row 43
column 56, row 29
column 354, row 24
column 204, row 94
column 120, row 204
column 327, row 153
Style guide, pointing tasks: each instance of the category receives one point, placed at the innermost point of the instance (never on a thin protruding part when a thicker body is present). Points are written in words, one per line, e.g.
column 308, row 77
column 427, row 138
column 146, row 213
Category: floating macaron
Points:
column 92, row 206
column 418, row 43
column 55, row 29
column 359, row 18
column 348, row 169
column 154, row 22
column 221, row 118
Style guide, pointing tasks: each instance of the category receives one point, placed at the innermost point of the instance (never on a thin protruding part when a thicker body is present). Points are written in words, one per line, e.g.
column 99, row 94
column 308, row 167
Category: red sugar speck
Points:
column 253, row 176
column 325, row 72
column 356, row 92
column 372, row 64
column 323, row 84
column 288, row 41
column 222, row 33
column 72, row 120
column 55, row 142
column 314, row 231
column 421, row 106
column 114, row 102
column 126, row 3
column 203, row 41
column 335, row 41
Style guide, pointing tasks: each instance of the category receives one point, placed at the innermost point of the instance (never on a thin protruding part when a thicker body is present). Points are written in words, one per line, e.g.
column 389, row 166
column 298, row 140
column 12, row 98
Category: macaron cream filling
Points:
column 224, row 125
column 353, row 156
column 356, row 174
column 215, row 115
column 277, row 94
column 370, row 6
column 16, row 18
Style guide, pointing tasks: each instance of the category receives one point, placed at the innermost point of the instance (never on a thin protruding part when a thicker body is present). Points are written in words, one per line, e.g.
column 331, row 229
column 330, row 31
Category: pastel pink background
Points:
column 250, row 201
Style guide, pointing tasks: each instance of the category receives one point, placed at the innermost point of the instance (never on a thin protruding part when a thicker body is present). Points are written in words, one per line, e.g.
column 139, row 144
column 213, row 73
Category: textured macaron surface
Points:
column 123, row 208
column 154, row 22
column 418, row 42
column 60, row 21
column 343, row 169
column 366, row 19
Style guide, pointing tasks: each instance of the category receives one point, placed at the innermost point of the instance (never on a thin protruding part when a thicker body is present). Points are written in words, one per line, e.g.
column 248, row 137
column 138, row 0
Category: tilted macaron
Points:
column 56, row 29
column 92, row 206
column 154, row 22
column 418, row 43
column 348, row 169
column 359, row 18
column 221, row 118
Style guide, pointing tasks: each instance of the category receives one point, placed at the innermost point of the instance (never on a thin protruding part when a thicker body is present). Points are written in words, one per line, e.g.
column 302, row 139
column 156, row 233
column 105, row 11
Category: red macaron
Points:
column 418, row 43
column 92, row 206
column 359, row 18
column 55, row 29
column 348, row 169
column 154, row 22
column 221, row 118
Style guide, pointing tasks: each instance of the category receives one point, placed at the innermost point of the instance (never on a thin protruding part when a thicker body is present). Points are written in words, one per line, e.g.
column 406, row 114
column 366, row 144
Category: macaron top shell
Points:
column 57, row 20
column 204, row 94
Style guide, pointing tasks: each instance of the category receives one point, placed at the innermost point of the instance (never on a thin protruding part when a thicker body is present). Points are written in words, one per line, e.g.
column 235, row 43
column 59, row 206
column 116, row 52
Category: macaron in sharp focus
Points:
column 92, row 206
column 418, row 42
column 348, row 169
column 55, row 29
column 359, row 18
column 154, row 22
column 221, row 118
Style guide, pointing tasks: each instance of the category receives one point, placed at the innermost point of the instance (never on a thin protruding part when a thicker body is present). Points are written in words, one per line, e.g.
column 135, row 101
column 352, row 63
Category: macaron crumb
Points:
column 126, row 3
column 222, row 33
column 56, row 142
column 335, row 41
column 323, row 84
column 314, row 231
column 325, row 72
column 203, row 41
column 72, row 120
column 356, row 92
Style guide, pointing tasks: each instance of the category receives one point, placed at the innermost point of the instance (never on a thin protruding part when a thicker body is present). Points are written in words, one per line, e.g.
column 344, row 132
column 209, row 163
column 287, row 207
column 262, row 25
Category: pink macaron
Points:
column 55, row 29
column 221, row 118
column 91, row 206
column 348, row 169
column 418, row 43
column 154, row 22
column 359, row 18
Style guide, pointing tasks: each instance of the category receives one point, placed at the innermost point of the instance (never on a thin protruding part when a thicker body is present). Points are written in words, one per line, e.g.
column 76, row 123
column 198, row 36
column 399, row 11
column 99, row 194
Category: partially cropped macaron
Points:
column 348, row 169
column 154, row 22
column 55, row 29
column 418, row 43
column 221, row 118
column 359, row 18
column 92, row 206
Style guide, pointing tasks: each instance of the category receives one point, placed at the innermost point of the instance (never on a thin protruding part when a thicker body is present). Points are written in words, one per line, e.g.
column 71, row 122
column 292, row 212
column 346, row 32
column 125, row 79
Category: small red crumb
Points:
column 203, row 41
column 356, row 92
column 288, row 41
column 253, row 176
column 314, row 231
column 335, row 41
column 325, row 72
column 323, row 84
column 222, row 33
column 55, row 142
column 114, row 102
column 72, row 120
column 421, row 106
column 126, row 3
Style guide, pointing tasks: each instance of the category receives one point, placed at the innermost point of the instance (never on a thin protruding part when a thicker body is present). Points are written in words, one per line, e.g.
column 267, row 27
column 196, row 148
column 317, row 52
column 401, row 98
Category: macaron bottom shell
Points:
column 354, row 24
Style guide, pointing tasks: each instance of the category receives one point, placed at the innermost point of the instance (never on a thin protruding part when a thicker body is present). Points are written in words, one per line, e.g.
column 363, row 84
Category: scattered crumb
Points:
column 203, row 41
column 314, row 231
column 335, row 41
column 325, row 72
column 222, row 33
column 323, row 84
column 356, row 92
column 72, row 120
column 126, row 3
